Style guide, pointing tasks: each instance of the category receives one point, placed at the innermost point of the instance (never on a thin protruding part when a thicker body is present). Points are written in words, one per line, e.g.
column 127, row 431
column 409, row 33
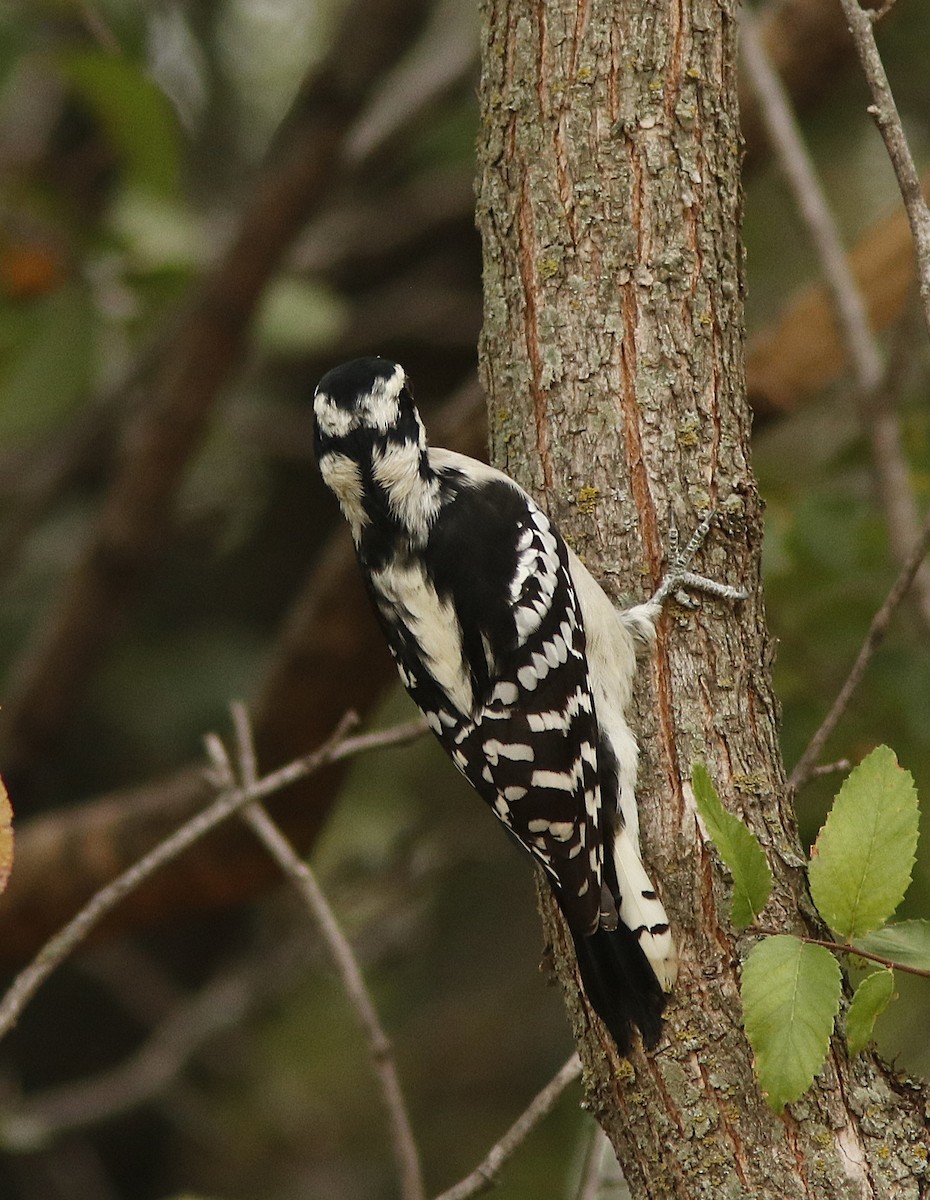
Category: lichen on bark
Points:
column 612, row 356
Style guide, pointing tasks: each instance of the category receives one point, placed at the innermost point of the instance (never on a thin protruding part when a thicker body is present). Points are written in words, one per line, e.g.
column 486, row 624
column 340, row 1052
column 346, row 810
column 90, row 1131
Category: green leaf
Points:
column 791, row 995
column 739, row 848
column 906, row 942
column 861, row 862
column 137, row 116
column 873, row 995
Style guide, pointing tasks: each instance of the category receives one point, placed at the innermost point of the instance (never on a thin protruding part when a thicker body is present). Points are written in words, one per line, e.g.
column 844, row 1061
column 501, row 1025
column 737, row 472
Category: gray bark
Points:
column 612, row 357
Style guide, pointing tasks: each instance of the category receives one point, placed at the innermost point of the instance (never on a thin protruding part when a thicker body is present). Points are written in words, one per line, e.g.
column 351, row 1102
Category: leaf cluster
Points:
column 859, row 870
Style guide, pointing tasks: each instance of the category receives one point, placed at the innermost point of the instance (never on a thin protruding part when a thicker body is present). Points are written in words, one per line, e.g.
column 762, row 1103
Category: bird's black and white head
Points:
column 371, row 449
column 363, row 402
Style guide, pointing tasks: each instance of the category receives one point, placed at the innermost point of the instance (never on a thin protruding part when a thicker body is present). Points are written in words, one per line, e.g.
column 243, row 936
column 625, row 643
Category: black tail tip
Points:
column 621, row 986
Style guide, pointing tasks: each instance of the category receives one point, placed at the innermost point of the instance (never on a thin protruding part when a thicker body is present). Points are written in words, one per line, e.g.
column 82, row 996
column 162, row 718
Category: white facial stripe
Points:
column 413, row 500
column 380, row 407
column 397, row 468
column 333, row 420
column 341, row 474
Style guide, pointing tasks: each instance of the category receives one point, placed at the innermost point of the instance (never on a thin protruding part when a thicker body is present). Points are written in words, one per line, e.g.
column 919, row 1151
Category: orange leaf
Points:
column 29, row 269
column 6, row 836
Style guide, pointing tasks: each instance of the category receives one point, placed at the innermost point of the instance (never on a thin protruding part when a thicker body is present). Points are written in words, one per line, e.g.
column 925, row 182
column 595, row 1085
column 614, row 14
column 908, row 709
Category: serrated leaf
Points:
column 739, row 848
column 791, row 995
column 906, row 942
column 873, row 995
column 862, row 860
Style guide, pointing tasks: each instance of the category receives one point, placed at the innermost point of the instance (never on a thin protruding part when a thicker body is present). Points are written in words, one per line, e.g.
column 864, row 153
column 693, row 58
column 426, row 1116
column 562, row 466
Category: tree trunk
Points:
column 612, row 356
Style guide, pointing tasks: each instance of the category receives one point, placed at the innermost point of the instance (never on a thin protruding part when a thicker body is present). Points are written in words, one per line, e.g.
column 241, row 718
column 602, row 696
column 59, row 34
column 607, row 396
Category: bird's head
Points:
column 363, row 404
column 371, row 448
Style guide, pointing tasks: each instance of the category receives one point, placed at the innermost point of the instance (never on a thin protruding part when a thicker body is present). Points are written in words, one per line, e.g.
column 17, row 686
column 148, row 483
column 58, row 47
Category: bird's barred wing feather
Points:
column 529, row 743
column 537, row 769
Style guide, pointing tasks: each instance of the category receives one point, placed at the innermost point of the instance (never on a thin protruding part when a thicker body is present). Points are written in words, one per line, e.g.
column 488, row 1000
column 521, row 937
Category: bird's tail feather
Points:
column 620, row 984
column 642, row 911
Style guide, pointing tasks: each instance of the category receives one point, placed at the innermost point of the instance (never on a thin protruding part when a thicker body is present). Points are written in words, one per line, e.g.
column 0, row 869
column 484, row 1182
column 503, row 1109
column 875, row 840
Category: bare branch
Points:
column 592, row 1173
column 802, row 350
column 808, row 42
column 831, row 768
column 862, row 350
column 445, row 55
column 183, row 1027
column 245, row 746
column 57, row 948
column 888, row 120
column 877, row 630
column 483, row 1177
column 221, row 1005
column 297, row 872
column 802, row 176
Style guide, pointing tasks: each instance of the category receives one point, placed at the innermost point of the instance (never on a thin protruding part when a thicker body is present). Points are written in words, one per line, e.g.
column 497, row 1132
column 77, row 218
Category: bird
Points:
column 521, row 664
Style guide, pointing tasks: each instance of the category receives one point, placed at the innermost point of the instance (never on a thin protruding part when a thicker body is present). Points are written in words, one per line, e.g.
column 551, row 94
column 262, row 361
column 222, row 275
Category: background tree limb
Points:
column 134, row 520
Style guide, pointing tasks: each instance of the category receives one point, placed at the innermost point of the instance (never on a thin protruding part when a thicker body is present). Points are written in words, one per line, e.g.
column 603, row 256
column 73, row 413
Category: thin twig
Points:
column 245, row 745
column 848, row 948
column 182, row 1027
column 58, row 947
column 801, row 174
column 874, row 387
column 98, row 28
column 302, row 877
column 888, row 120
column 877, row 630
column 483, row 1177
column 592, row 1173
column 444, row 56
column 810, row 45
column 832, row 768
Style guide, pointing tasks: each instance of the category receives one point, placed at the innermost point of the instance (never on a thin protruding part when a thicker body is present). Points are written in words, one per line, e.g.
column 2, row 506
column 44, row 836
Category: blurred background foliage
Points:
column 131, row 137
